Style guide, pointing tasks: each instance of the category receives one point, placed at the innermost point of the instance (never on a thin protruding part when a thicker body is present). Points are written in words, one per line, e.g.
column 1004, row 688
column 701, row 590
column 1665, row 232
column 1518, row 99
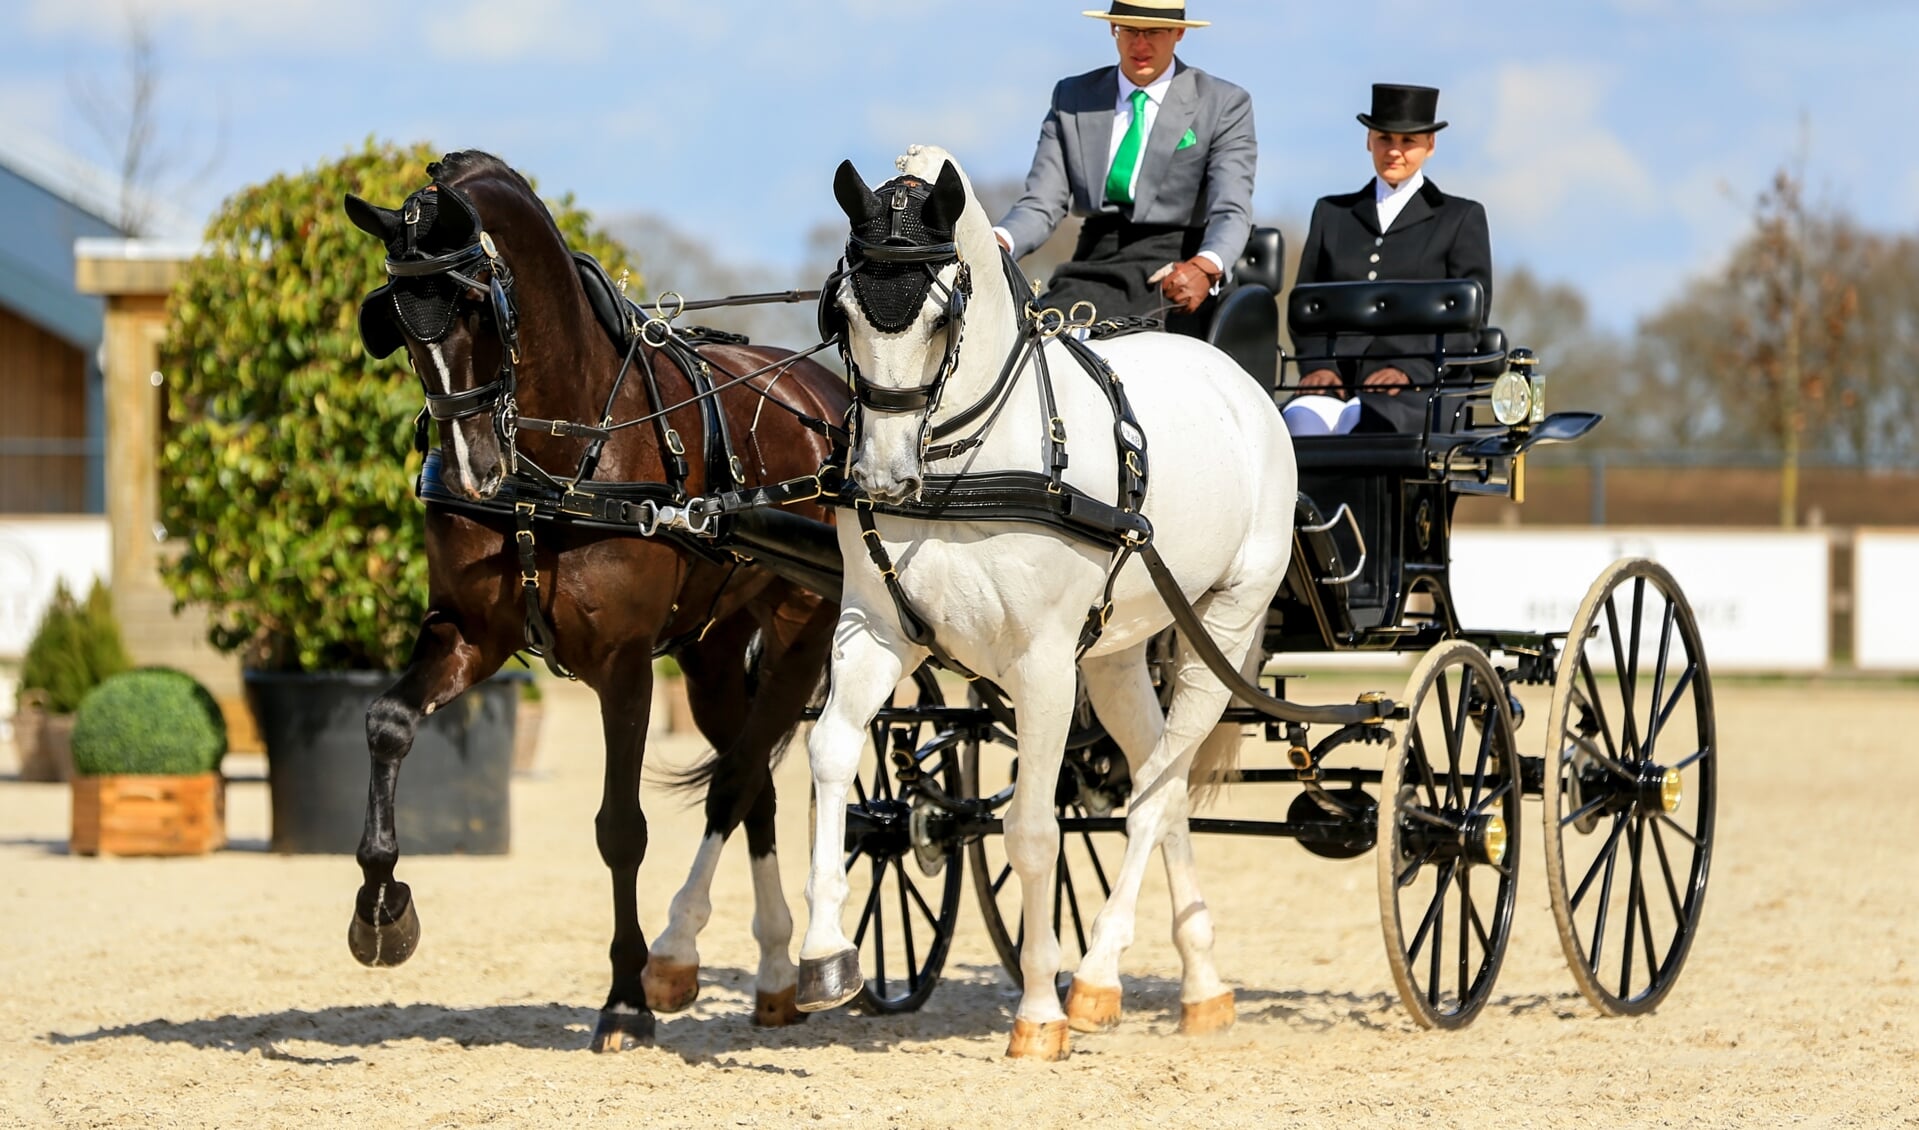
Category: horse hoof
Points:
column 829, row 982
column 1207, row 1016
column 776, row 1010
column 1092, row 1008
column 669, row 985
column 384, row 945
column 621, row 1029
column 1046, row 1041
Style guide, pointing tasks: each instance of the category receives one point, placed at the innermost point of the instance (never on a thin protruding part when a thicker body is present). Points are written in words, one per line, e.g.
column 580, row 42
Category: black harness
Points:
column 421, row 302
column 891, row 300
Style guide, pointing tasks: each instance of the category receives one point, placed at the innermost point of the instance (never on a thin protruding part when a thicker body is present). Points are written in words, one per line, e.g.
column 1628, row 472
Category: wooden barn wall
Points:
column 43, row 395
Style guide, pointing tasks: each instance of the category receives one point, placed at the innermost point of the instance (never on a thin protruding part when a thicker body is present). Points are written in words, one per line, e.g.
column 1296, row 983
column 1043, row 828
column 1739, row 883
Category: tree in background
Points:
column 124, row 116
column 287, row 475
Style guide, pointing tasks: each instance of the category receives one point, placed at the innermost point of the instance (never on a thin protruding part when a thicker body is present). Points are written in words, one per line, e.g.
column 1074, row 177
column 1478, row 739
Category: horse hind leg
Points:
column 385, row 929
column 1120, row 688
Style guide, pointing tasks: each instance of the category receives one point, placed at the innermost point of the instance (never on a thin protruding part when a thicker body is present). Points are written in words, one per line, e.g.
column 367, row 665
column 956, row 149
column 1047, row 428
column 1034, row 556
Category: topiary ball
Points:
column 151, row 721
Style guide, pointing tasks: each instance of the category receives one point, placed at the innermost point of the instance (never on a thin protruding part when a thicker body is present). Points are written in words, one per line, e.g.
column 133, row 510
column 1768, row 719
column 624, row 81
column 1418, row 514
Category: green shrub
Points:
column 288, row 473
column 76, row 646
column 153, row 720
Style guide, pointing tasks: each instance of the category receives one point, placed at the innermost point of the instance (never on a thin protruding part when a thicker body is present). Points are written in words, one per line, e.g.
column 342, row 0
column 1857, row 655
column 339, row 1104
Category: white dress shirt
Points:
column 1392, row 201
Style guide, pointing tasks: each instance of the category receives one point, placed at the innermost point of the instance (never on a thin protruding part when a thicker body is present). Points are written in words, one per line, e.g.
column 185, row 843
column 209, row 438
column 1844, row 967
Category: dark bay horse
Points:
column 485, row 292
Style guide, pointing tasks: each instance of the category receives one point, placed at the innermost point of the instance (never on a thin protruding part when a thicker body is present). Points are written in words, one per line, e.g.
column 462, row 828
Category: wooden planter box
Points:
column 139, row 815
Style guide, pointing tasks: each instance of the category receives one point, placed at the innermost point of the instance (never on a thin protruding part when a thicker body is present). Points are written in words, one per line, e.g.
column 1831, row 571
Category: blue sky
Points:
column 1616, row 143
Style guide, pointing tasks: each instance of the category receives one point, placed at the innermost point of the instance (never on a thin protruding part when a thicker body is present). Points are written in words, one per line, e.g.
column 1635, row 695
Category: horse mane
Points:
column 465, row 165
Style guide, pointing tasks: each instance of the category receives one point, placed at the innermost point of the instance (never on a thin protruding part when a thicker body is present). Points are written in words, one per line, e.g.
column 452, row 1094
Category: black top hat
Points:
column 1403, row 109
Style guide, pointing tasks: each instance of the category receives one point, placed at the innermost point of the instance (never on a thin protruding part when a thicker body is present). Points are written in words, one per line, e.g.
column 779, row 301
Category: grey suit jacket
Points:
column 1208, row 184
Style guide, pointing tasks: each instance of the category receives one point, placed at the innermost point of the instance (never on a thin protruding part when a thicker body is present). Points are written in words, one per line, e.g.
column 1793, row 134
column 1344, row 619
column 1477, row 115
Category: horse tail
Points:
column 699, row 777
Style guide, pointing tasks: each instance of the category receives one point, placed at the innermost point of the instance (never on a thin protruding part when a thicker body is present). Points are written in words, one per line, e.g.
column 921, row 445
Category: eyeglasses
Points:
column 1124, row 32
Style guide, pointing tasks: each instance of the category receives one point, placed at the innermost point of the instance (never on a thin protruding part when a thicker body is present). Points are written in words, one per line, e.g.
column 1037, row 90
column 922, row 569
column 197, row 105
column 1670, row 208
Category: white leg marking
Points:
column 865, row 671
column 692, row 907
column 772, row 927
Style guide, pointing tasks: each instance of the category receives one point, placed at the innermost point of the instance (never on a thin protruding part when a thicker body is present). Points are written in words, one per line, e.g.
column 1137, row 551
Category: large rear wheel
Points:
column 1448, row 851
column 1631, row 785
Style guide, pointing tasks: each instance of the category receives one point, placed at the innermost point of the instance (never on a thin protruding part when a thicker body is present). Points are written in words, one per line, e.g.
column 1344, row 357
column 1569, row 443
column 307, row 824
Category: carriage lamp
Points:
column 1514, row 402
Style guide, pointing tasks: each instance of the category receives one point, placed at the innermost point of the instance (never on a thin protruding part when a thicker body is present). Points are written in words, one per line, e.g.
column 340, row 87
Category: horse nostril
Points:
column 910, row 487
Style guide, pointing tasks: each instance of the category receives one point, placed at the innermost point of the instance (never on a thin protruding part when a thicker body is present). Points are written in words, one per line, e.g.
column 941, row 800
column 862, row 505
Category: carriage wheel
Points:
column 903, row 875
column 1448, row 837
column 1631, row 784
column 1082, row 876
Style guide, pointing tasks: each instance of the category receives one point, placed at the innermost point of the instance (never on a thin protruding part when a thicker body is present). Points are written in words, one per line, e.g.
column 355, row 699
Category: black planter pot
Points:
column 453, row 784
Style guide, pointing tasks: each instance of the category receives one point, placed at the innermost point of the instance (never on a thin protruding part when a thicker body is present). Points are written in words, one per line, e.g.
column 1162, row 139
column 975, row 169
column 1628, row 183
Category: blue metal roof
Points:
column 37, row 230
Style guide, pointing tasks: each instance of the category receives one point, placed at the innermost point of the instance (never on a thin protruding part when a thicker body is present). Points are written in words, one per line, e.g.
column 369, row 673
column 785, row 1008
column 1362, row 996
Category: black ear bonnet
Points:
column 434, row 221
column 890, row 291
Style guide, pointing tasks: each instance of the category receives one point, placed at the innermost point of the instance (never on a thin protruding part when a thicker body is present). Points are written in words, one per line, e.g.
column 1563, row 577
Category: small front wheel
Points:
column 1448, row 837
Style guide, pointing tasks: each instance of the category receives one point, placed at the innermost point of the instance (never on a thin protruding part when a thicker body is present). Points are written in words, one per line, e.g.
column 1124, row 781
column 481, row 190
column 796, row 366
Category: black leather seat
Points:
column 1246, row 325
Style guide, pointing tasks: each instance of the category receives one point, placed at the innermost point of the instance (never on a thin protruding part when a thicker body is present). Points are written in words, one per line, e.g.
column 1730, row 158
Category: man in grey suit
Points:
column 1159, row 157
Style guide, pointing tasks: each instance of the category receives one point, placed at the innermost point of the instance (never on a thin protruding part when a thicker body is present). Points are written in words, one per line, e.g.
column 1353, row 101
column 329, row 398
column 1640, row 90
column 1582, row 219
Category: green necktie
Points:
column 1119, row 182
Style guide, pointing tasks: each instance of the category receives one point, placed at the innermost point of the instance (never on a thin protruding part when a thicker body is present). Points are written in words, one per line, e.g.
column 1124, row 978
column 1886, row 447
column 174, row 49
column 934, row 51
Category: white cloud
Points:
column 1548, row 149
column 504, row 30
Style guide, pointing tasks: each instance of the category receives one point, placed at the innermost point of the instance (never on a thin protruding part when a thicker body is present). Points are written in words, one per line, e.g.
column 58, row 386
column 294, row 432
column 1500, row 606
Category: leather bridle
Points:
column 474, row 267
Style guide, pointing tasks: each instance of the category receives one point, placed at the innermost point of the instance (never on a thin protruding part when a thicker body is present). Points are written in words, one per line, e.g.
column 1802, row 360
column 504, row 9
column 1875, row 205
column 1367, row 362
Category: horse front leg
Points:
column 386, row 926
column 1042, row 690
column 868, row 661
column 626, row 695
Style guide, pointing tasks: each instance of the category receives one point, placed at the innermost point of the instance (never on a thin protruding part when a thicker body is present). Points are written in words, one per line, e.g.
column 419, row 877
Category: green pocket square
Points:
column 1191, row 139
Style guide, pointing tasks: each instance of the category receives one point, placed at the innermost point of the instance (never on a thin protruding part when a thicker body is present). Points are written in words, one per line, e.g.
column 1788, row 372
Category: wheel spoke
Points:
column 1005, row 873
column 1645, row 926
column 1665, row 865
column 1634, row 843
column 1491, row 798
column 859, row 790
column 906, row 928
column 1444, row 883
column 1678, row 692
column 871, row 908
column 1099, row 872
column 1654, row 720
column 1479, row 927
column 1586, row 809
column 1456, row 736
column 1416, row 752
column 1605, row 898
column 1465, row 928
column 1674, row 825
column 1690, row 759
column 925, row 907
column 1439, row 929
column 1486, row 735
column 1605, row 853
column 858, row 850
column 1597, row 705
column 1072, row 903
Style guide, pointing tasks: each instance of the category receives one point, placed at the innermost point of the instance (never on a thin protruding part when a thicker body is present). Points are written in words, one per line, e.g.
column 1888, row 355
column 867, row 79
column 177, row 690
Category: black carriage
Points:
column 1626, row 775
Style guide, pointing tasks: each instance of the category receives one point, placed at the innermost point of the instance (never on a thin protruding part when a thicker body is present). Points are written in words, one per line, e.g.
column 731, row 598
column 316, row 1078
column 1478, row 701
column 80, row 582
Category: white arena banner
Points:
column 1885, row 607
column 1761, row 599
column 35, row 553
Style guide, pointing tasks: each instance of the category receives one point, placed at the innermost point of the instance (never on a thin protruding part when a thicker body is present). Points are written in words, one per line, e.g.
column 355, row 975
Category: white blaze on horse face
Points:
column 462, row 460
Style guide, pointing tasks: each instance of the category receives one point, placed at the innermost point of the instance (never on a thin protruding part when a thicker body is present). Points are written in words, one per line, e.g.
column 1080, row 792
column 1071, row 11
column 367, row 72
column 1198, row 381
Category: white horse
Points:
column 1008, row 599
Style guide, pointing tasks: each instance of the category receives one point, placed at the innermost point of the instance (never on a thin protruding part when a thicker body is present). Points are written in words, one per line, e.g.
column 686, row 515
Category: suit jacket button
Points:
column 1371, row 275
column 1379, row 241
column 1375, row 256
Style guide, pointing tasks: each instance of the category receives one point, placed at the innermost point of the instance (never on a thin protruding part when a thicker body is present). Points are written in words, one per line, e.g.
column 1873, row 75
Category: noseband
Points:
column 474, row 267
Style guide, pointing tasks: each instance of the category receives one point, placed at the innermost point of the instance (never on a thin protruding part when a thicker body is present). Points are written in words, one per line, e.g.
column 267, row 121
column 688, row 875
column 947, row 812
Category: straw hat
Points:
column 1148, row 13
